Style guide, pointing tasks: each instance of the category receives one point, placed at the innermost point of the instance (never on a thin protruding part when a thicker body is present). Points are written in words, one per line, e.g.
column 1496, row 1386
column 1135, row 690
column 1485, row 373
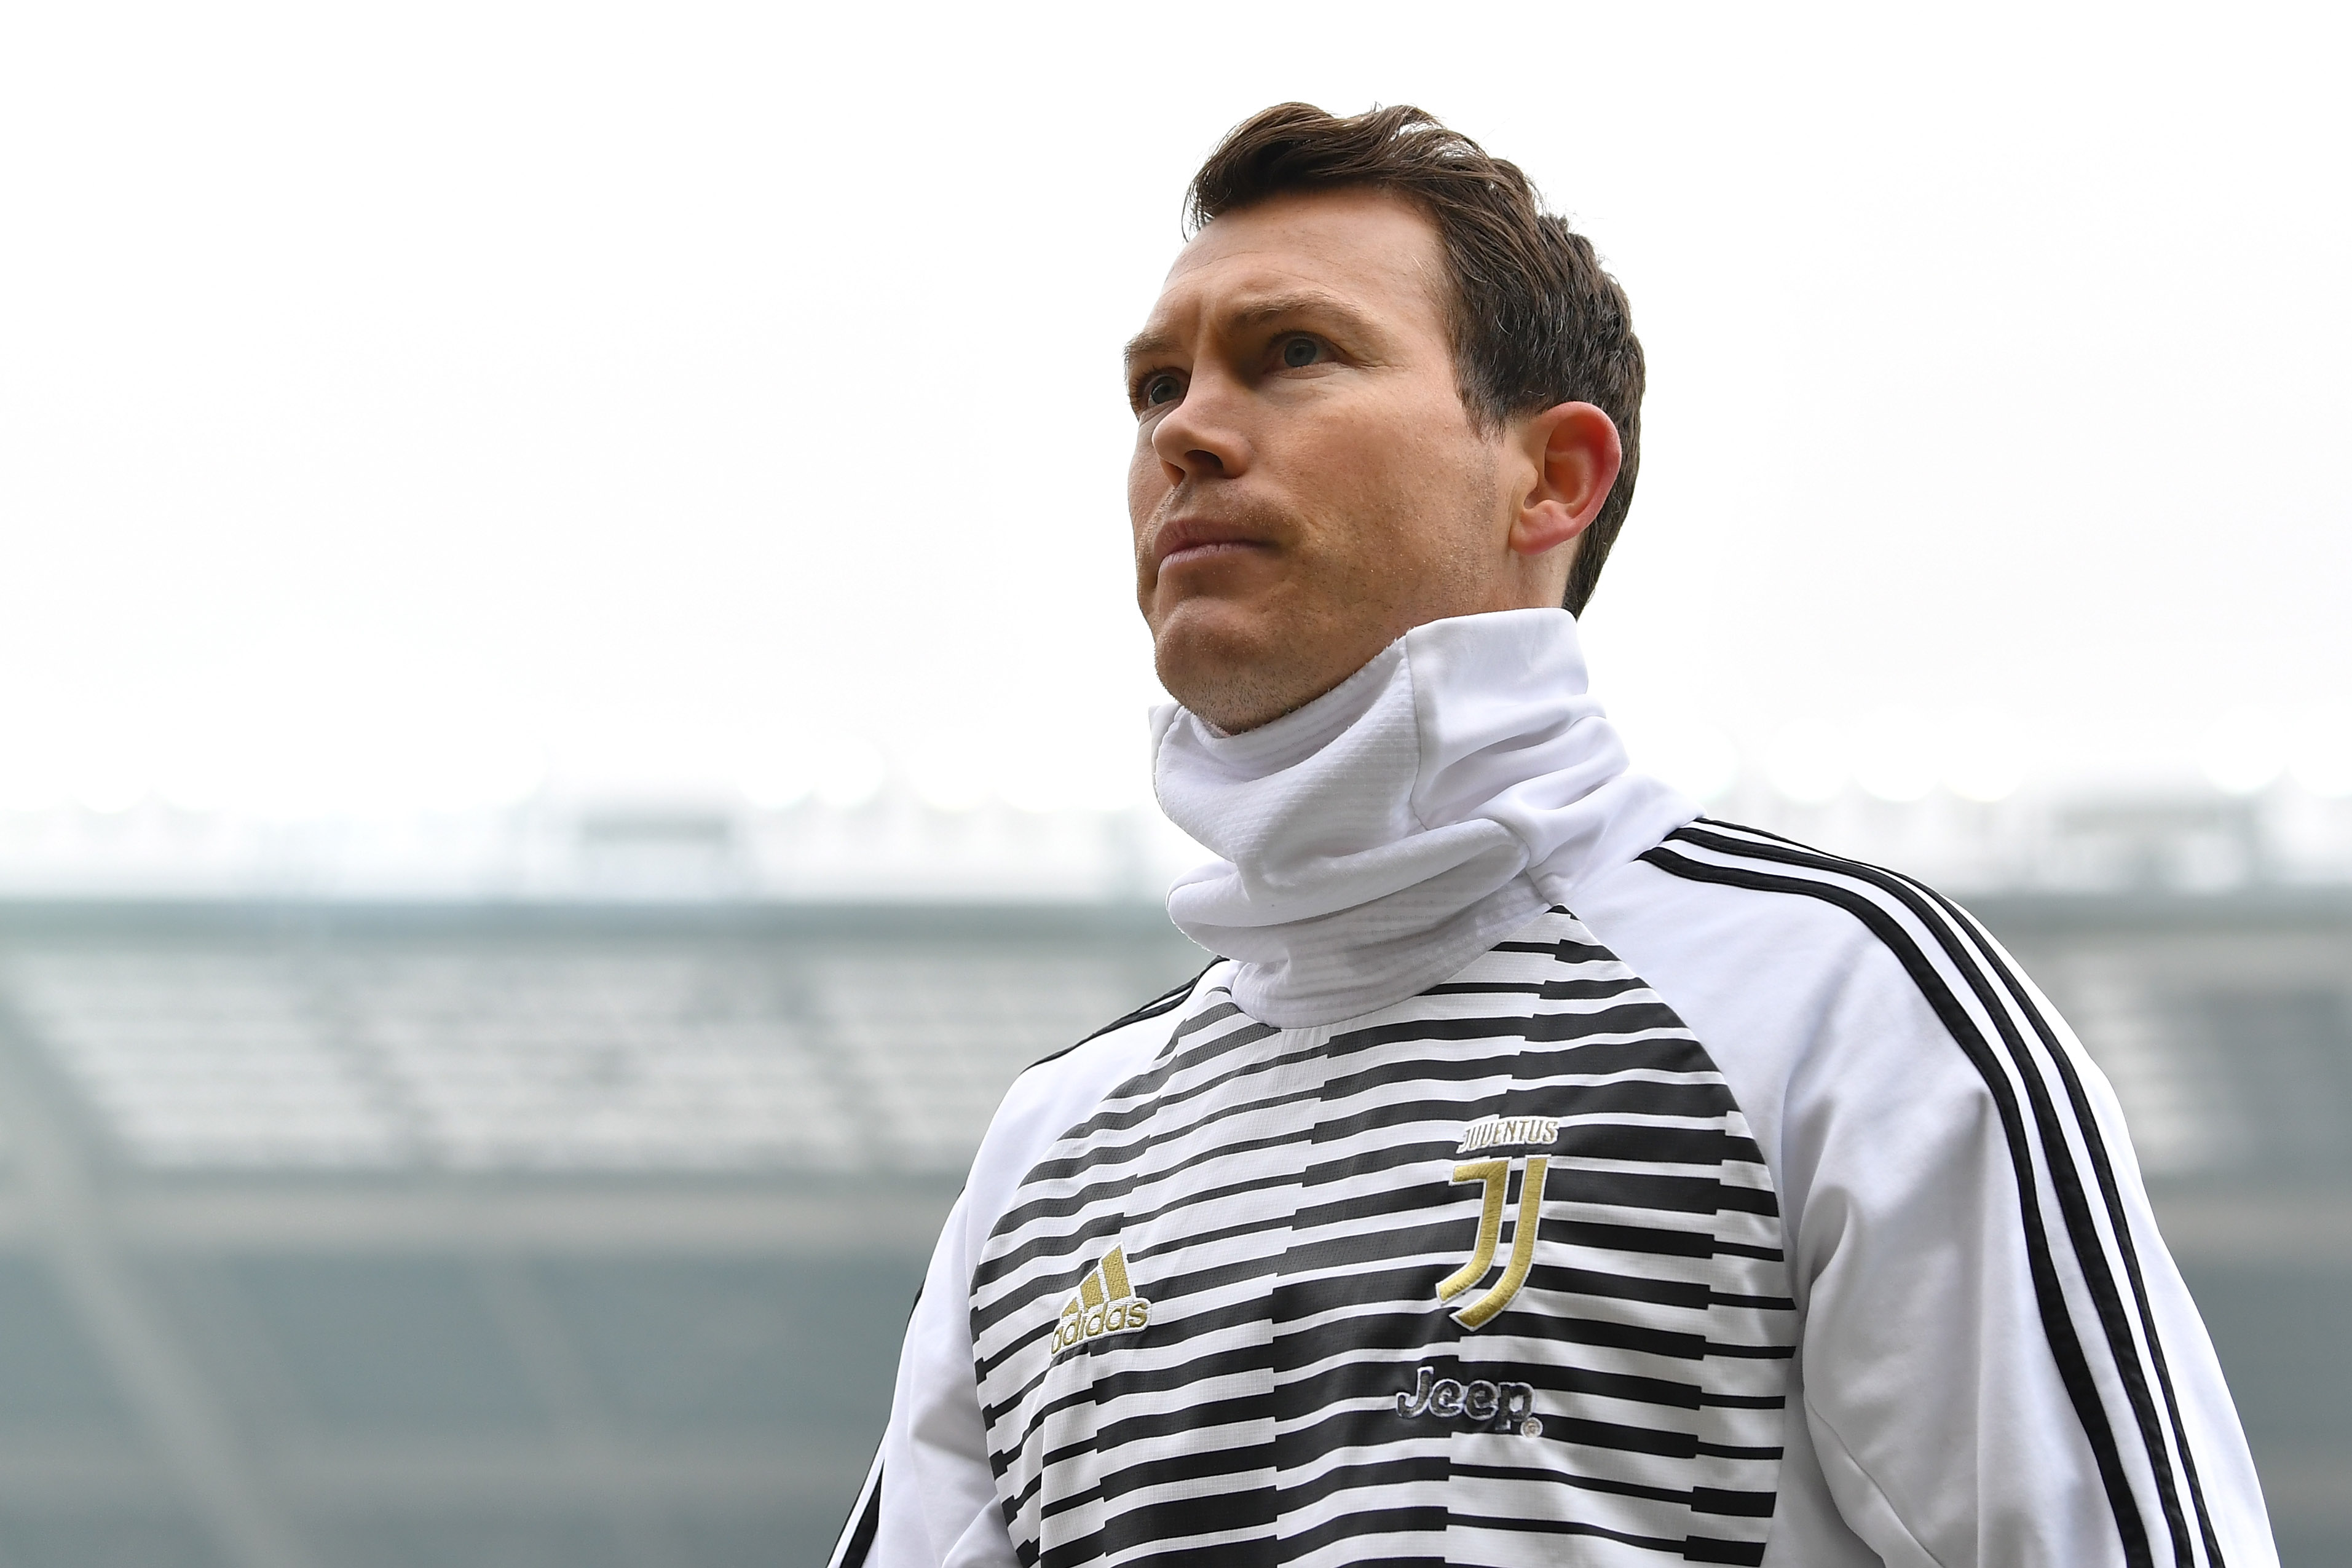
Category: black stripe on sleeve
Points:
column 2110, row 1192
column 865, row 1514
column 2058, row 1325
column 1958, row 927
column 1166, row 1001
column 864, row 1520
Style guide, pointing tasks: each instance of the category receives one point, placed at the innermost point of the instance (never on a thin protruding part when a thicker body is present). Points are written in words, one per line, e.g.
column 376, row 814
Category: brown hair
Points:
column 1534, row 319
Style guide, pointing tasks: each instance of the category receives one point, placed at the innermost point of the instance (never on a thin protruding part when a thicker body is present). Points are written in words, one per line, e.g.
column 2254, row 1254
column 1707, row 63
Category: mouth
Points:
column 1215, row 550
column 1186, row 541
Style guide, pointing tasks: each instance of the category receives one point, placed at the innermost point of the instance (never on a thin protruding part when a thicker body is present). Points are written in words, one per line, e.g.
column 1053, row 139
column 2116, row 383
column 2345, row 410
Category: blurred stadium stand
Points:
column 463, row 1236
column 349, row 1236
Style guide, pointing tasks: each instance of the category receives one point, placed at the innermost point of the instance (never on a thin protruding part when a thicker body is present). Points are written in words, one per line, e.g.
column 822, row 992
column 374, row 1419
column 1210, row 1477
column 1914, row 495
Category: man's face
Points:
column 1306, row 484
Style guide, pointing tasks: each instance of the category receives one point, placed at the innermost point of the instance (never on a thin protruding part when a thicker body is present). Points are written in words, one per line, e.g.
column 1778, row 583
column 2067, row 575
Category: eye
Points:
column 1299, row 352
column 1158, row 387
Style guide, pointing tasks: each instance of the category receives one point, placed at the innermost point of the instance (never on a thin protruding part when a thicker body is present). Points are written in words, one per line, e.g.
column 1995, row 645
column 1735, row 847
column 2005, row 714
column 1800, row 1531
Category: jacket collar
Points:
column 1376, row 840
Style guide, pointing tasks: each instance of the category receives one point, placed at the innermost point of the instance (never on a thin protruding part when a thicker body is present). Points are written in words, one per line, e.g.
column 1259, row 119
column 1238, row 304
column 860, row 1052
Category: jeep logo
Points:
column 1493, row 1406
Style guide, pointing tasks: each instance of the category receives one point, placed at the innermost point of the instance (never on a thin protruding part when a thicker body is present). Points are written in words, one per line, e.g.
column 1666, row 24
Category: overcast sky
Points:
column 397, row 402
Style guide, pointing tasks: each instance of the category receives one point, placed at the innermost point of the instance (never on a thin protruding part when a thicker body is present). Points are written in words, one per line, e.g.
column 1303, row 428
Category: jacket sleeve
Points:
column 930, row 1500
column 2000, row 1362
column 1998, row 1365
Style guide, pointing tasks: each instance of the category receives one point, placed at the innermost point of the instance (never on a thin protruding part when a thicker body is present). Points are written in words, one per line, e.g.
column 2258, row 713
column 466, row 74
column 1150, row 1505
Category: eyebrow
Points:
column 1152, row 343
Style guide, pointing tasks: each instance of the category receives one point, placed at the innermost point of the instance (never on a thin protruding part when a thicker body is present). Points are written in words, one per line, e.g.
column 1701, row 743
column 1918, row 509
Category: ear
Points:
column 1573, row 450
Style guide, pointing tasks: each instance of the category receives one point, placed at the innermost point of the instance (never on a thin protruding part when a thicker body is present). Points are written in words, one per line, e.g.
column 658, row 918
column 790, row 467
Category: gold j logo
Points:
column 1495, row 1177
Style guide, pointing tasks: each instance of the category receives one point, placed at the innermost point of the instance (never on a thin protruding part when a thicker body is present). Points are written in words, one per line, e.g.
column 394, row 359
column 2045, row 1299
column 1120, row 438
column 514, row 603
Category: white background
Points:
column 403, row 406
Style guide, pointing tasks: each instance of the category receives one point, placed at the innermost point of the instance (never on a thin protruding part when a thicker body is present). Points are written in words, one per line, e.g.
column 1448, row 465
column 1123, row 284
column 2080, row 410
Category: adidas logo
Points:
column 1105, row 1304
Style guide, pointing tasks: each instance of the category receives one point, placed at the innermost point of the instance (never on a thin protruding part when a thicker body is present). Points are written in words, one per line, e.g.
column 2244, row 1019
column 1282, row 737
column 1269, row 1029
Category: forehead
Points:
column 1377, row 251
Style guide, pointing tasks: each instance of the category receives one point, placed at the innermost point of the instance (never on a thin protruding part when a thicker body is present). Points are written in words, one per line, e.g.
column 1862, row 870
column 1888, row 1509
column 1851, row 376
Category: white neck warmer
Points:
column 1376, row 840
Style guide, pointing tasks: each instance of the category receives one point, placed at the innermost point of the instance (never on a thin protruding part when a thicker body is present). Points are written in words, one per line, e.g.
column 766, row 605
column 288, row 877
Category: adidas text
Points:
column 1105, row 1304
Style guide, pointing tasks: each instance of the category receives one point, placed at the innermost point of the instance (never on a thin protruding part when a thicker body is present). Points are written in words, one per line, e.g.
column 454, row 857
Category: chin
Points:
column 1232, row 668
column 1206, row 661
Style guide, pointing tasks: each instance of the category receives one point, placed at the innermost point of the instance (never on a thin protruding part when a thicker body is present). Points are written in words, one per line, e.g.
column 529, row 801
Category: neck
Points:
column 1380, row 838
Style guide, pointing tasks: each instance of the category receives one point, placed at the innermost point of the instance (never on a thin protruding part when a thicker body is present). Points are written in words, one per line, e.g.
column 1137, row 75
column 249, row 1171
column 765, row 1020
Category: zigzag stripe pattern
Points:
column 1290, row 1202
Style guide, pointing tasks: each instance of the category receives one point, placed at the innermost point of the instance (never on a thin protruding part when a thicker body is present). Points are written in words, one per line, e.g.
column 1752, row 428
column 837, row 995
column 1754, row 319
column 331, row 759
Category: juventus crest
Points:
column 1495, row 1175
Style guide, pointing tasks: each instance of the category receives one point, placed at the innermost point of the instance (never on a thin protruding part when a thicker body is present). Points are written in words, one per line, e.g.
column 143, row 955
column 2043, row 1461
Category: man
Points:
column 1544, row 1173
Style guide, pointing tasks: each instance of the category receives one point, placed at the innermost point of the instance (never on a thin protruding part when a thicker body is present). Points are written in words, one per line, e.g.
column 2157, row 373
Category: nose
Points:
column 1202, row 436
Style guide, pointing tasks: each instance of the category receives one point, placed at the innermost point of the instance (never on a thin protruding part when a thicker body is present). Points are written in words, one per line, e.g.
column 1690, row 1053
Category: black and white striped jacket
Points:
column 1756, row 1211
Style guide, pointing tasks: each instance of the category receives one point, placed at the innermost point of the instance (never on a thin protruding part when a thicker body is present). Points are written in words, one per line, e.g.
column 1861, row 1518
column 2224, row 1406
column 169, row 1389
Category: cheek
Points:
column 1147, row 486
column 1379, row 485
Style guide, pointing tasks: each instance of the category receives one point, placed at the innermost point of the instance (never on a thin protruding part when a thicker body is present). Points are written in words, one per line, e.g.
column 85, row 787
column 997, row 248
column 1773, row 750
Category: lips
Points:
column 1209, row 551
column 1183, row 540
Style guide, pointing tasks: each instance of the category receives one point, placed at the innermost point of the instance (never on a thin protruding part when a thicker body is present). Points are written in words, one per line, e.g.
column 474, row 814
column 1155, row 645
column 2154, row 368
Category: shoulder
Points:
column 1830, row 925
column 1839, row 994
column 1880, row 1039
column 1057, row 1094
column 1796, row 926
column 1898, row 1004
